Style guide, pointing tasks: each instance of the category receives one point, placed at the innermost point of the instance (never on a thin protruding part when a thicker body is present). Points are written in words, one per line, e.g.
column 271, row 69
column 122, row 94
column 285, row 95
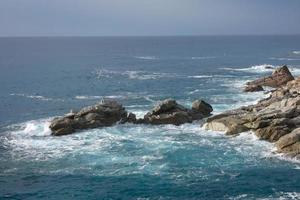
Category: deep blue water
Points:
column 45, row 77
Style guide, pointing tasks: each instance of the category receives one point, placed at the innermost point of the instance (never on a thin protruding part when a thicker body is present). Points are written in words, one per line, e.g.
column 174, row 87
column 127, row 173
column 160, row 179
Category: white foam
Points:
column 38, row 97
column 284, row 59
column 201, row 76
column 131, row 74
column 146, row 57
column 203, row 57
column 87, row 97
column 254, row 69
column 296, row 52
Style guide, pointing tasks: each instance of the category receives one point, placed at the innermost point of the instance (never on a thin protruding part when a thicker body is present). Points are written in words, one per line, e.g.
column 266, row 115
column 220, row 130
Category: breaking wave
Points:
column 284, row 59
column 135, row 75
column 147, row 57
column 37, row 97
column 296, row 52
column 254, row 69
column 265, row 68
column 203, row 57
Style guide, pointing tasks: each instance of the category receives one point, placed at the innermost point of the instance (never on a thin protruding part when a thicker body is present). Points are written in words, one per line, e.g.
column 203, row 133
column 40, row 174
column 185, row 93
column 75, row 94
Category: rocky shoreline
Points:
column 275, row 119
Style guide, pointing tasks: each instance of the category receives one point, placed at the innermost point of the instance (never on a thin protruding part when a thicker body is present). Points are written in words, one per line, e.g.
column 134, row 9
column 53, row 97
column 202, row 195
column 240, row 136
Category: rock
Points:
column 290, row 143
column 269, row 67
column 202, row 107
column 105, row 113
column 275, row 119
column 253, row 88
column 131, row 118
column 231, row 125
column 278, row 78
column 170, row 112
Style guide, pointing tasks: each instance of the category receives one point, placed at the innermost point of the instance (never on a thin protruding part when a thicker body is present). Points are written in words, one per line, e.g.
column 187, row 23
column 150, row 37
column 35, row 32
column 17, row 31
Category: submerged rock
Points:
column 170, row 112
column 275, row 119
column 278, row 78
column 105, row 113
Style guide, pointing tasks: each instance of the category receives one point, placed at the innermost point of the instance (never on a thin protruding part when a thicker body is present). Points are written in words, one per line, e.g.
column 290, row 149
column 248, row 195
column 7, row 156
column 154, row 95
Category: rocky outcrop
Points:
column 276, row 118
column 290, row 143
column 253, row 88
column 105, row 113
column 110, row 112
column 278, row 78
column 170, row 112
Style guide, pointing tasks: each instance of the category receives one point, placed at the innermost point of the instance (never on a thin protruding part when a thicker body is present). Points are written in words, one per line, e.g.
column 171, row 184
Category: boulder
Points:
column 231, row 125
column 253, row 88
column 202, row 107
column 290, row 143
column 278, row 78
column 170, row 112
column 105, row 113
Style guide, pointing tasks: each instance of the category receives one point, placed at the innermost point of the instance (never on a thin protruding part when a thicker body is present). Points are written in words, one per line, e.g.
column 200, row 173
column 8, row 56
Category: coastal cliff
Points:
column 275, row 119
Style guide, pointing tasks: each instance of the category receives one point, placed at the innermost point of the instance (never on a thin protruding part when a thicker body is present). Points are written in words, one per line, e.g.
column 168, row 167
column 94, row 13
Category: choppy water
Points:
column 44, row 77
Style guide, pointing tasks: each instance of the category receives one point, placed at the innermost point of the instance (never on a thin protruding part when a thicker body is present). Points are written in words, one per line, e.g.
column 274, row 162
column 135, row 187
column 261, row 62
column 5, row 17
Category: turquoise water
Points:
column 45, row 77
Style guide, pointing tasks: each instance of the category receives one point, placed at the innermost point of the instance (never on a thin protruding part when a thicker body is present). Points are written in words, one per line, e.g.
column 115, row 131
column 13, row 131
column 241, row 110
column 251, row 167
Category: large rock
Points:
column 253, row 88
column 231, row 125
column 290, row 143
column 278, row 78
column 105, row 113
column 202, row 107
column 170, row 112
column 275, row 119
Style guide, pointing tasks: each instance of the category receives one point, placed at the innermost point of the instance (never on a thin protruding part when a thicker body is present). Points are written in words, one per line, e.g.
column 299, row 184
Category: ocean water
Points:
column 46, row 77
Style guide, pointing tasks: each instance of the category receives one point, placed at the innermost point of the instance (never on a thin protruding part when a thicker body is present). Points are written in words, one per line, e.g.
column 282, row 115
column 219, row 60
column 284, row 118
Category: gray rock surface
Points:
column 170, row 112
column 105, row 113
column 275, row 119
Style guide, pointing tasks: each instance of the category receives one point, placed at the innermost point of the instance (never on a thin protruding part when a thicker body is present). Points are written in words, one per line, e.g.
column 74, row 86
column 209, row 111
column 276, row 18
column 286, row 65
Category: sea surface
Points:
column 41, row 78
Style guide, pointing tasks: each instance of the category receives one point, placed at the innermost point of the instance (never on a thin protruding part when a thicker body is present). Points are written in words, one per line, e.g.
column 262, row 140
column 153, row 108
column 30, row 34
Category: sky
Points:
column 148, row 17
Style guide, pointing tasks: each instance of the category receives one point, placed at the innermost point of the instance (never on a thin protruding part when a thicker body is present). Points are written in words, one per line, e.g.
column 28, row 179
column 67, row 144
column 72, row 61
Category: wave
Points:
column 284, row 59
column 201, row 76
column 296, row 52
column 203, row 57
column 38, row 97
column 134, row 75
column 86, row 97
column 254, row 69
column 265, row 68
column 147, row 57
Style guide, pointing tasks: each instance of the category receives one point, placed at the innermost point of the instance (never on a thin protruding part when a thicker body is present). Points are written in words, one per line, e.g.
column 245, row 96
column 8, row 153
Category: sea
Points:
column 45, row 77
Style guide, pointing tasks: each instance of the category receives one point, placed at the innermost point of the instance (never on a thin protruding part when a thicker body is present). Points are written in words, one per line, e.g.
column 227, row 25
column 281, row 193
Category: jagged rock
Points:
column 278, row 78
column 276, row 118
column 170, row 112
column 253, row 88
column 105, row 113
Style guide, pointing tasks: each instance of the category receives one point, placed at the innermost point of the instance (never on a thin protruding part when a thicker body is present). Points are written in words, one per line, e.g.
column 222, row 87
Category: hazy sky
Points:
column 148, row 17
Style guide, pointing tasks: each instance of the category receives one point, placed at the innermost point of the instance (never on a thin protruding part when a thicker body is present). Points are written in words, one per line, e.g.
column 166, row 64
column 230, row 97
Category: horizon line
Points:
column 200, row 35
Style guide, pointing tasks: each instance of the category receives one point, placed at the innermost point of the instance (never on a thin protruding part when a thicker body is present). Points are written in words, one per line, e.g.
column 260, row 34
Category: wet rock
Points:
column 253, row 88
column 105, row 113
column 231, row 125
column 170, row 112
column 290, row 143
column 278, row 78
column 275, row 119
column 202, row 107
